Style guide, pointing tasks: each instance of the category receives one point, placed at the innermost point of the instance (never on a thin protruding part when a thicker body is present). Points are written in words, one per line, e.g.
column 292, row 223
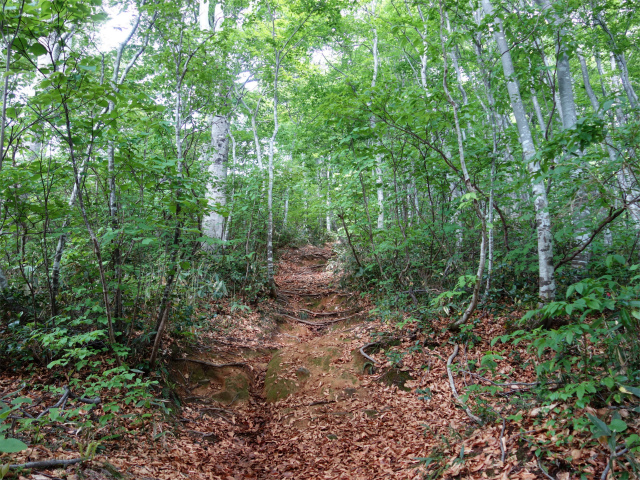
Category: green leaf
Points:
column 570, row 290
column 38, row 49
column 580, row 391
column 11, row 445
column 620, row 259
column 607, row 105
column 618, row 425
column 601, row 427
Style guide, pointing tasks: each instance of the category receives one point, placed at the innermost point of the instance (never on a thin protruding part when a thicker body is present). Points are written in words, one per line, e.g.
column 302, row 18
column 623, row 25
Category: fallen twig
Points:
column 202, row 434
column 216, row 409
column 524, row 384
column 62, row 403
column 301, row 293
column 544, row 471
column 48, row 463
column 613, row 456
column 5, row 395
column 503, row 449
column 453, row 386
column 321, row 402
column 219, row 412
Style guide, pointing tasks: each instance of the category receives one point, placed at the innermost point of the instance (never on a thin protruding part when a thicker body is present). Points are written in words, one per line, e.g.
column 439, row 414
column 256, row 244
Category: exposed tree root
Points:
column 214, row 365
column 371, row 359
column 62, row 403
column 319, row 324
column 453, row 387
column 325, row 314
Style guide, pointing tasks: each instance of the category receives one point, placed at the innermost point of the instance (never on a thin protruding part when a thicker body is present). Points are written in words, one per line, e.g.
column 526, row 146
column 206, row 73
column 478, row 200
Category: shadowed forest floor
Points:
column 284, row 391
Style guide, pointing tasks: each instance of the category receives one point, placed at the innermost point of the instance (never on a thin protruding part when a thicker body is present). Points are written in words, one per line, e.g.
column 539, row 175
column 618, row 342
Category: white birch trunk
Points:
column 624, row 178
column 374, row 79
column 621, row 62
column 536, row 107
column 286, row 208
column 467, row 181
column 547, row 78
column 254, row 129
column 547, row 286
column 272, row 146
column 380, row 193
column 455, row 193
column 213, row 222
column 490, row 225
column 595, row 104
column 569, row 119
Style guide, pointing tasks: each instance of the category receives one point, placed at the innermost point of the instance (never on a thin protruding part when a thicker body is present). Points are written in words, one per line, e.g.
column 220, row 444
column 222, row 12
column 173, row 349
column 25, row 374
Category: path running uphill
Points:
column 303, row 399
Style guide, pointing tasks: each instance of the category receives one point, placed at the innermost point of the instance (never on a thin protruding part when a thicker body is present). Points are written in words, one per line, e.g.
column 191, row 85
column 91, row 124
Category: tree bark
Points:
column 569, row 119
column 624, row 180
column 467, row 179
column 213, row 223
column 378, row 169
column 547, row 285
column 620, row 60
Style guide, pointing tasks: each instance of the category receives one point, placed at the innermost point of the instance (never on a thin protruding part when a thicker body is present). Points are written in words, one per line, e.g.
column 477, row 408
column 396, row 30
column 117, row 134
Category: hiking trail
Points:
column 306, row 393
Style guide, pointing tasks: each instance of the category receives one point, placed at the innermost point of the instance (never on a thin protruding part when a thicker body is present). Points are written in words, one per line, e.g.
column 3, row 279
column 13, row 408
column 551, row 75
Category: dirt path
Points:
column 301, row 405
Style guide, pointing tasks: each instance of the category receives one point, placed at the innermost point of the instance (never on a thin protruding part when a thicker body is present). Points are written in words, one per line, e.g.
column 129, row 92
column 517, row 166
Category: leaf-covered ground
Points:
column 285, row 392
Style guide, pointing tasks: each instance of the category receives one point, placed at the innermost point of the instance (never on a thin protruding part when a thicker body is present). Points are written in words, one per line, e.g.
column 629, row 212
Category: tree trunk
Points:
column 569, row 118
column 467, row 180
column 547, row 285
column 620, row 60
column 329, row 199
column 624, row 179
column 272, row 146
column 378, row 171
column 213, row 223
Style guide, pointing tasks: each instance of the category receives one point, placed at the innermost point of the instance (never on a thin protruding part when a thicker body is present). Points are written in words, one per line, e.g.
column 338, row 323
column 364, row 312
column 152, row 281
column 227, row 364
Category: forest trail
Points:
column 311, row 411
column 298, row 403
column 283, row 392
